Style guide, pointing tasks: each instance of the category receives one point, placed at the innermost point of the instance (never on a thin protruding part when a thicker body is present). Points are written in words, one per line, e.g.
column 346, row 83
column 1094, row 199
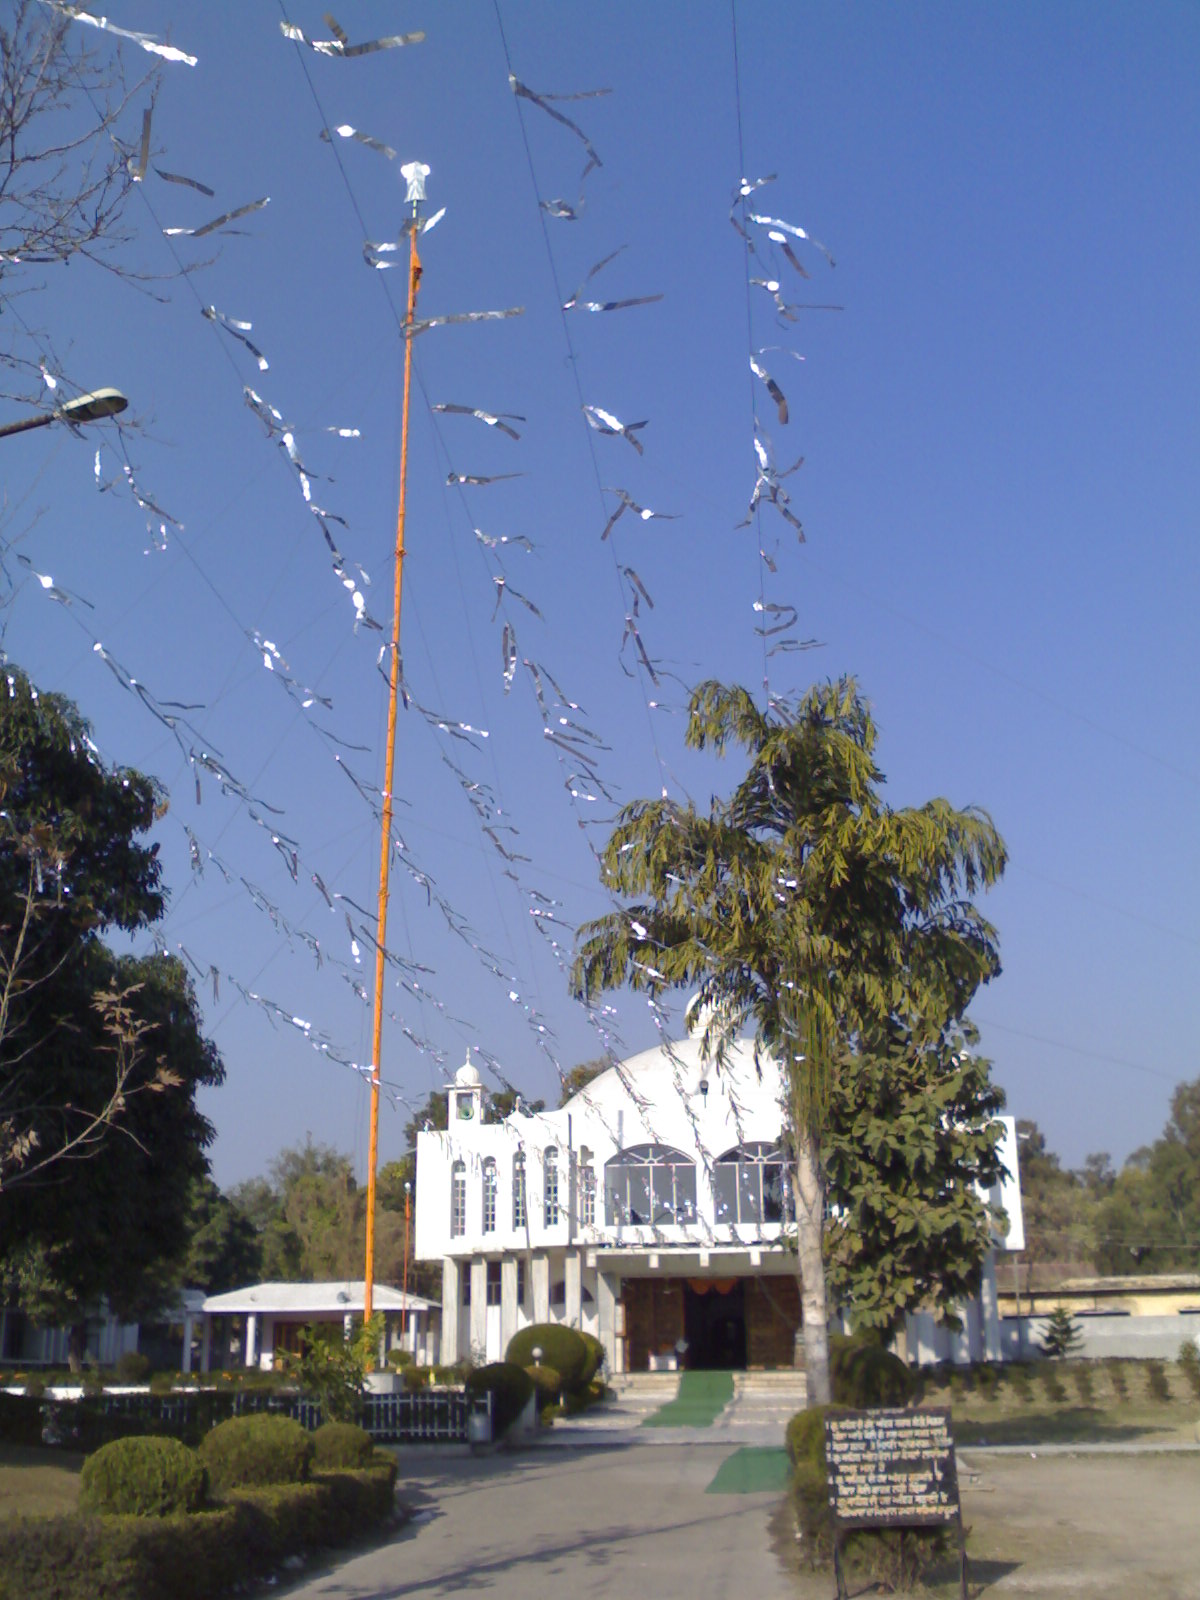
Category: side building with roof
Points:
column 652, row 1210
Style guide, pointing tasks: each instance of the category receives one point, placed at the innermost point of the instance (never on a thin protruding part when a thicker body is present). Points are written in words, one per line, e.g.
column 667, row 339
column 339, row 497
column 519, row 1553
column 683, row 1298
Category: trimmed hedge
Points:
column 865, row 1375
column 133, row 1367
column 562, row 1348
column 143, row 1478
column 198, row 1557
column 257, row 1450
column 595, row 1361
column 510, row 1387
column 20, row 1419
column 547, row 1382
column 341, row 1444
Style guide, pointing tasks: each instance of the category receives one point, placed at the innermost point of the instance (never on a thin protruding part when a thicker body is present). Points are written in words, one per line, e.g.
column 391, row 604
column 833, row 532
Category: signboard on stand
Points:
column 892, row 1469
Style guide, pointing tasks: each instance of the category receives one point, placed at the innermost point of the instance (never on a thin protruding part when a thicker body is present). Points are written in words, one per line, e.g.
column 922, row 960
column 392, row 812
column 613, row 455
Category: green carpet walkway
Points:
column 752, row 1470
column 700, row 1401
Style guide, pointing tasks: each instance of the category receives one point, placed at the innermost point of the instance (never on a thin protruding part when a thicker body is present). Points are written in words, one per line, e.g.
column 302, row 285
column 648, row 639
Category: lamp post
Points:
column 93, row 407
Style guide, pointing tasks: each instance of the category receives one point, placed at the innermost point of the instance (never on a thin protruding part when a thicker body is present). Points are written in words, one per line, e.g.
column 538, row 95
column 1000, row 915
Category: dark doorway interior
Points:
column 714, row 1319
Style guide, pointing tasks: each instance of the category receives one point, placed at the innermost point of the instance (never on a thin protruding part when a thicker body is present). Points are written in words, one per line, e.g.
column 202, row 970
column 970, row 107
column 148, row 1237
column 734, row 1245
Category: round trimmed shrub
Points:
column 596, row 1358
column 398, row 1358
column 133, row 1367
column 509, row 1386
column 866, row 1375
column 562, row 1348
column 257, row 1450
column 341, row 1444
column 142, row 1477
column 547, row 1382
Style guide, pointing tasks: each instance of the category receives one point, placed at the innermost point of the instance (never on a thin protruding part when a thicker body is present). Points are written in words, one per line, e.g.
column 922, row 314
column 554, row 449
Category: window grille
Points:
column 751, row 1185
column 587, row 1195
column 494, row 1290
column 458, row 1200
column 489, row 1196
column 550, row 1188
column 519, row 1190
column 650, row 1185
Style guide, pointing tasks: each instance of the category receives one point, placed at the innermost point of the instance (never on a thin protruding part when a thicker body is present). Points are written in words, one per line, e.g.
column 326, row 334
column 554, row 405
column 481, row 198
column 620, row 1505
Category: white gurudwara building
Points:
column 652, row 1210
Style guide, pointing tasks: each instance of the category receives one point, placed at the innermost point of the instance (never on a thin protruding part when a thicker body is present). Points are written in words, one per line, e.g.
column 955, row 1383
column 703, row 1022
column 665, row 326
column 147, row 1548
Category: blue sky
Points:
column 999, row 494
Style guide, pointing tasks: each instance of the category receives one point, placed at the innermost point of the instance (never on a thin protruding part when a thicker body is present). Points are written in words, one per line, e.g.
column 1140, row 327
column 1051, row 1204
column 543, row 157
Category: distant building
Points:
column 249, row 1327
column 653, row 1210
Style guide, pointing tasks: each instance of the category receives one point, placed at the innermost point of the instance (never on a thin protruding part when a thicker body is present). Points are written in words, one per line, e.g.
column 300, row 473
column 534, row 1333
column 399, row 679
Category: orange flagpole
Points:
column 385, row 846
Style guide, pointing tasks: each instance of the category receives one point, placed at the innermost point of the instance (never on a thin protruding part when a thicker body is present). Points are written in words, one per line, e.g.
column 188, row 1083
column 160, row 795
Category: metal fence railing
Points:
column 409, row 1417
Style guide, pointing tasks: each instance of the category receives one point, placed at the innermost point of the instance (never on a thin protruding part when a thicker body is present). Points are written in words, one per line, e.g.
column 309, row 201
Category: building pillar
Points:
column 449, row 1350
column 478, row 1310
column 508, row 1302
column 574, row 1287
column 540, row 1266
column 250, row 1354
column 989, row 1299
column 606, row 1308
column 206, row 1345
column 186, row 1362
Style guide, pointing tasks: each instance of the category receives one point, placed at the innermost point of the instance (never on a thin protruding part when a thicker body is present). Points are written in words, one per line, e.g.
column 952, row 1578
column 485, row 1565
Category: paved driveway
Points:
column 541, row 1524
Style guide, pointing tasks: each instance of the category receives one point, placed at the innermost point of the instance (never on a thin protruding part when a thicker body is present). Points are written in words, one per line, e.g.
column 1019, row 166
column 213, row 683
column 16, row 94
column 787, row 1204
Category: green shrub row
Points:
column 197, row 1557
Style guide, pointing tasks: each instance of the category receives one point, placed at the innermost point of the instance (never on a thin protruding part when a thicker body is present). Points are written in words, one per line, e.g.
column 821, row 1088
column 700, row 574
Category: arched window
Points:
column 489, row 1195
column 458, row 1199
column 587, row 1190
column 519, row 1189
column 650, row 1184
column 550, row 1187
column 751, row 1185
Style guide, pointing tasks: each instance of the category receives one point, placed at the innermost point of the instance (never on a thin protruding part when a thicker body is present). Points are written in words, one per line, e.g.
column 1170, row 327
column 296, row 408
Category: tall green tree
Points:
column 101, row 1056
column 911, row 1130
column 803, row 907
column 1149, row 1221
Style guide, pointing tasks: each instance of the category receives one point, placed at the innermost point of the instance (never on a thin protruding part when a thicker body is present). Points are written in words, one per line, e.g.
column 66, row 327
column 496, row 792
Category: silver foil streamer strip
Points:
column 238, row 329
column 628, row 503
column 496, row 541
column 340, row 44
column 65, row 597
column 773, row 388
column 191, row 183
column 604, row 422
column 345, row 131
column 494, row 419
column 144, row 41
column 503, row 587
column 137, row 170
column 478, row 478
column 423, row 324
column 778, row 225
column 575, row 303
column 218, row 222
column 541, row 101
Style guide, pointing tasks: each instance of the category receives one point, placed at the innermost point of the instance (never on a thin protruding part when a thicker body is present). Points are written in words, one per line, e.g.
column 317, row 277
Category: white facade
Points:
column 265, row 1318
column 662, row 1169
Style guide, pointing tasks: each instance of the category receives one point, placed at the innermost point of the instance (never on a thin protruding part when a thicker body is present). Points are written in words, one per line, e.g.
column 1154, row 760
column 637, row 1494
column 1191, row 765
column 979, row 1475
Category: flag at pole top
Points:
column 414, row 174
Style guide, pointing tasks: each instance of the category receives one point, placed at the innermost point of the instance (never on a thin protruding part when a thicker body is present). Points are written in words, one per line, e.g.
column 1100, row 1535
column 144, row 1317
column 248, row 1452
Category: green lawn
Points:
column 38, row 1481
column 700, row 1401
column 1071, row 1402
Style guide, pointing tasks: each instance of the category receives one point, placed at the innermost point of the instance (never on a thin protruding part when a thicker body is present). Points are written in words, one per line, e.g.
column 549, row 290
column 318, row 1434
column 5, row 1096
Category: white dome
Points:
column 467, row 1077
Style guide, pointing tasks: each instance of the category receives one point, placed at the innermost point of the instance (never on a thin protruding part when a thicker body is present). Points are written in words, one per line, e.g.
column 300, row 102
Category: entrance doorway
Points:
column 714, row 1321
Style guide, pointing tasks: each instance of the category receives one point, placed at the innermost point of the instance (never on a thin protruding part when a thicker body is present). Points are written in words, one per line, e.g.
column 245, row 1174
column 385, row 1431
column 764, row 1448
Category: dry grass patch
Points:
column 38, row 1482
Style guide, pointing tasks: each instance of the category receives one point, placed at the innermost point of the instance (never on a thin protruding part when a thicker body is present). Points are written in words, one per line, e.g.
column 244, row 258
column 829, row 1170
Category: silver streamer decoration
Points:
column 604, row 422
column 494, row 419
column 238, row 329
column 575, row 303
column 773, row 388
column 423, row 324
column 542, row 102
column 340, row 45
column 345, row 131
column 144, row 41
column 190, row 183
column 628, row 503
column 478, row 479
column 218, row 222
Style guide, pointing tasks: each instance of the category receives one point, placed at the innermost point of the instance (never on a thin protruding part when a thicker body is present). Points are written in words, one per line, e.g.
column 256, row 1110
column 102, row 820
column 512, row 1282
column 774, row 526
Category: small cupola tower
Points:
column 466, row 1097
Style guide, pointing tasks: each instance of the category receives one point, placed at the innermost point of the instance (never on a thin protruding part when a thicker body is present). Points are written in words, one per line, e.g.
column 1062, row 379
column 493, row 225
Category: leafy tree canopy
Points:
column 804, row 907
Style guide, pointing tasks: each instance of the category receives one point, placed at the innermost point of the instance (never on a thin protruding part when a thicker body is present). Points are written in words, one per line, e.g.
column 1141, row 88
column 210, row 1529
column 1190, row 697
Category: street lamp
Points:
column 92, row 407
